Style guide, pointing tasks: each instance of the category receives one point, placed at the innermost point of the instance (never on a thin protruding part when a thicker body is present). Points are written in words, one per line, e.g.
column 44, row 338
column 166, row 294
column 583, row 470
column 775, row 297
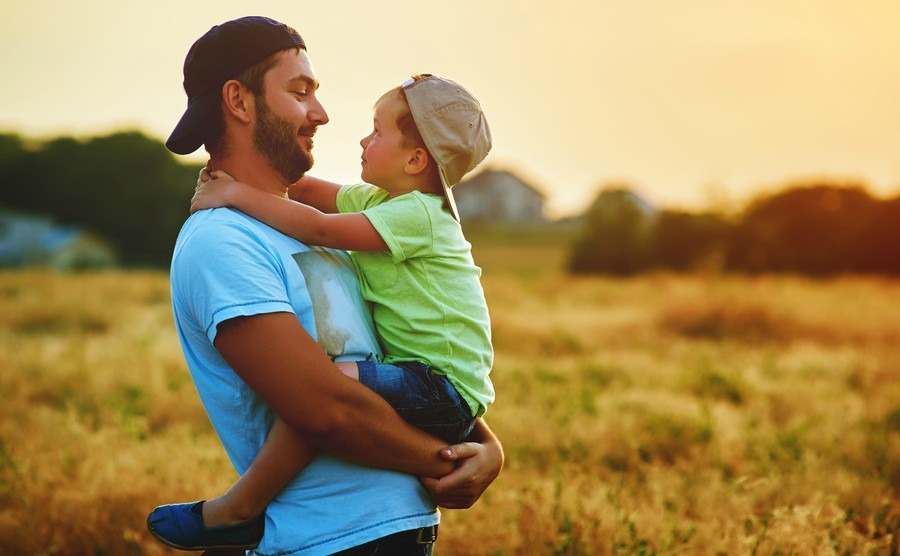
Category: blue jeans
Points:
column 421, row 397
column 399, row 544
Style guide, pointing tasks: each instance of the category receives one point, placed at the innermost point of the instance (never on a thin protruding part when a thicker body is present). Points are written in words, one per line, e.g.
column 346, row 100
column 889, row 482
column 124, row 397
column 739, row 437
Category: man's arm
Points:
column 279, row 360
column 479, row 462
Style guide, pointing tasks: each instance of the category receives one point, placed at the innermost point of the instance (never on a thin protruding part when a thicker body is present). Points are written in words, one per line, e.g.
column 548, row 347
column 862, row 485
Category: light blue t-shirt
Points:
column 226, row 265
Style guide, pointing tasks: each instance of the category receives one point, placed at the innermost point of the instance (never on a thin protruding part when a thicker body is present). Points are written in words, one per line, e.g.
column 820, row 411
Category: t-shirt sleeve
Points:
column 358, row 197
column 225, row 272
column 405, row 226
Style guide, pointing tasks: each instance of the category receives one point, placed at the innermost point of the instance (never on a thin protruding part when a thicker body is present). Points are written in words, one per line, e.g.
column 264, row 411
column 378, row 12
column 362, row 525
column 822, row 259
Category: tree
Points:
column 877, row 247
column 617, row 236
column 124, row 187
column 11, row 148
column 812, row 229
column 685, row 241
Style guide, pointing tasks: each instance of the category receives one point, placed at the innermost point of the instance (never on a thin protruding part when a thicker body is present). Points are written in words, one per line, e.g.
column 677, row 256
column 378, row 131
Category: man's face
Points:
column 287, row 116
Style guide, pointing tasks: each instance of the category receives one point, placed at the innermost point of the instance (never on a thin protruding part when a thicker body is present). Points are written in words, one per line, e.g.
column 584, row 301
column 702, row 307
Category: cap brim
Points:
column 188, row 134
column 448, row 195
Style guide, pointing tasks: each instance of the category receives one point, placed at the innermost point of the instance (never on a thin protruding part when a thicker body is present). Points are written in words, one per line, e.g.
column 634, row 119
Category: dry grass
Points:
column 659, row 415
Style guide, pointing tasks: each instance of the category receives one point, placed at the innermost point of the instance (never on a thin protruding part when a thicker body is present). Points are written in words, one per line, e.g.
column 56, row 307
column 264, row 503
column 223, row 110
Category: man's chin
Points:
column 292, row 180
column 293, row 173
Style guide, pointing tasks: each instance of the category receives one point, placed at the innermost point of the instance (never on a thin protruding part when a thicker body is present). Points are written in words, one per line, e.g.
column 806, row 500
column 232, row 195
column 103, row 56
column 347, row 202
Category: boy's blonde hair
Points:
column 405, row 121
column 447, row 121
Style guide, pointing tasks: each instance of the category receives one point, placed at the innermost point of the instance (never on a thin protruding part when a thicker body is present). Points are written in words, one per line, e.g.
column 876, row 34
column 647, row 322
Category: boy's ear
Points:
column 418, row 161
column 236, row 99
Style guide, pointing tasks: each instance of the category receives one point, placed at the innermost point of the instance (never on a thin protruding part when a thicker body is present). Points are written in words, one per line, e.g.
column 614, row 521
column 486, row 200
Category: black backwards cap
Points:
column 219, row 55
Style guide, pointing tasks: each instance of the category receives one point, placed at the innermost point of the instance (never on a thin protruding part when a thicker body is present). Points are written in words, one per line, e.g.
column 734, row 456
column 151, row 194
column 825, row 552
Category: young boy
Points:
column 415, row 267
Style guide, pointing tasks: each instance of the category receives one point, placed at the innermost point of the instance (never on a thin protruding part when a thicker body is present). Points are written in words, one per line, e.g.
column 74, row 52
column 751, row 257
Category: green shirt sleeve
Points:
column 405, row 225
column 358, row 197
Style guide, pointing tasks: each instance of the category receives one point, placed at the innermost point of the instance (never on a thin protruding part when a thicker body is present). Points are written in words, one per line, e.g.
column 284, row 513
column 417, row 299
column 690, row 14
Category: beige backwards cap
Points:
column 452, row 125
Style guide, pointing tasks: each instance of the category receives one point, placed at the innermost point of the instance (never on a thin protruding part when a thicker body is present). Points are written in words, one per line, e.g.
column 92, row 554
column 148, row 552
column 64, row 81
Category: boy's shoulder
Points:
column 431, row 207
column 357, row 197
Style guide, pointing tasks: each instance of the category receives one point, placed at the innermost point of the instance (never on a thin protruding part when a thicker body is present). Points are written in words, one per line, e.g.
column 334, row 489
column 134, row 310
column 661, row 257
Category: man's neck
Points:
column 252, row 170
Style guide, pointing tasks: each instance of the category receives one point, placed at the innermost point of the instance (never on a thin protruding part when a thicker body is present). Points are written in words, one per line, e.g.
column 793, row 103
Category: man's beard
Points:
column 276, row 140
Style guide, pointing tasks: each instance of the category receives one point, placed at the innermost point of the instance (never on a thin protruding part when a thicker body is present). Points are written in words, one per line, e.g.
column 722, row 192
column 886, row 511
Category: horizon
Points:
column 720, row 205
column 692, row 104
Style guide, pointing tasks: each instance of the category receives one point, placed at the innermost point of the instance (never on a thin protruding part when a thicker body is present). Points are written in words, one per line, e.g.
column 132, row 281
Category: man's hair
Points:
column 253, row 78
column 405, row 121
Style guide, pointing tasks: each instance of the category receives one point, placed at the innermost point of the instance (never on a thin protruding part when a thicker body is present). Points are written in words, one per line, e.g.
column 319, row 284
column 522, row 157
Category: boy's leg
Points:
column 283, row 455
column 236, row 518
column 349, row 368
column 420, row 396
column 237, row 514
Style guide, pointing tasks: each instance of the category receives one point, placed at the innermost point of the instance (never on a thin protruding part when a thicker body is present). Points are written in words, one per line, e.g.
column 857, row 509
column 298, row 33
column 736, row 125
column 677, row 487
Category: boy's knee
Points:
column 349, row 368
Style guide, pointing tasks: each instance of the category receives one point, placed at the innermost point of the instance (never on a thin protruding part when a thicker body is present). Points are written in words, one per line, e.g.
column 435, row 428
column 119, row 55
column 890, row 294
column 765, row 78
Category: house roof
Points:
column 488, row 177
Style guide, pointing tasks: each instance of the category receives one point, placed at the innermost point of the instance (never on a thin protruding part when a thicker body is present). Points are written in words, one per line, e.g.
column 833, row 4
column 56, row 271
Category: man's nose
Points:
column 317, row 113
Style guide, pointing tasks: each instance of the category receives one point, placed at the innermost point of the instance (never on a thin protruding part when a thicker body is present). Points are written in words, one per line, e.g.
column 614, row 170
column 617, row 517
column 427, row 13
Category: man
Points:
column 250, row 305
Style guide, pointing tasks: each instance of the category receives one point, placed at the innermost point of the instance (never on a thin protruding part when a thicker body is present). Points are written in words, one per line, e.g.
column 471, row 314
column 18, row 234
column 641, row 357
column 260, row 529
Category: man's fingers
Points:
column 456, row 452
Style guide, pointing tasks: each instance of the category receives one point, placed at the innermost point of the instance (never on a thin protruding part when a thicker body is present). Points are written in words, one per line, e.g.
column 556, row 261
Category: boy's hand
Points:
column 212, row 190
column 204, row 176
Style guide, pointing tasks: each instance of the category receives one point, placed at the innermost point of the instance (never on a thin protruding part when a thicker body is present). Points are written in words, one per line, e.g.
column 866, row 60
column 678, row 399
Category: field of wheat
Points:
column 664, row 414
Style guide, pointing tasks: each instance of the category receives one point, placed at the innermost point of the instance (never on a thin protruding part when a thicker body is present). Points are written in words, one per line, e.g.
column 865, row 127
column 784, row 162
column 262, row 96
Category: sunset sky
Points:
column 690, row 102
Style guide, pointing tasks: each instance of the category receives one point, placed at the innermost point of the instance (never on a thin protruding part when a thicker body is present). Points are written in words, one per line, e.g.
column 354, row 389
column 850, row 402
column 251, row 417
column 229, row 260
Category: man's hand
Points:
column 478, row 463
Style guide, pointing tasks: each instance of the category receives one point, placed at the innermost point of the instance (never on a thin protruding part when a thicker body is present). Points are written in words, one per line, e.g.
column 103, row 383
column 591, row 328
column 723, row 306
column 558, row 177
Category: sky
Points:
column 692, row 104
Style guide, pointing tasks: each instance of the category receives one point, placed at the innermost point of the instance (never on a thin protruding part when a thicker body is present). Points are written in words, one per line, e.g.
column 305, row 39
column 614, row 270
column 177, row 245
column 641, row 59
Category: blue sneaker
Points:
column 181, row 526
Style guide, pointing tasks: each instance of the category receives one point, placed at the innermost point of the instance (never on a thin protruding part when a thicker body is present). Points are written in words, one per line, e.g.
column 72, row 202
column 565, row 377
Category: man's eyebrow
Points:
column 311, row 81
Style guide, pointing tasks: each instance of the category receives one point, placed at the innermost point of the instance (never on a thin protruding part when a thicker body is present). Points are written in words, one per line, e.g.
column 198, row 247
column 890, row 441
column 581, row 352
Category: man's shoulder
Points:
column 221, row 244
column 229, row 230
column 210, row 224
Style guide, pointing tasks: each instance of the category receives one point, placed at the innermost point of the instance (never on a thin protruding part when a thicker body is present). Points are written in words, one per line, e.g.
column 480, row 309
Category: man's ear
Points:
column 237, row 100
column 418, row 161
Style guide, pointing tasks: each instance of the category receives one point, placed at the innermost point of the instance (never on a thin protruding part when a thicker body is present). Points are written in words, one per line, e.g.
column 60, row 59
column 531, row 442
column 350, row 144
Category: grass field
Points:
column 663, row 414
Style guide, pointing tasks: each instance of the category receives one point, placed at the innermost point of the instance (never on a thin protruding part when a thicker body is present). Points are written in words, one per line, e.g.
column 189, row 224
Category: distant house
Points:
column 27, row 240
column 498, row 197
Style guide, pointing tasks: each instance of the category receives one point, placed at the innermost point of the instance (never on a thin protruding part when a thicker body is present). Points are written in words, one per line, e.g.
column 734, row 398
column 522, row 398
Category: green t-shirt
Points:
column 428, row 304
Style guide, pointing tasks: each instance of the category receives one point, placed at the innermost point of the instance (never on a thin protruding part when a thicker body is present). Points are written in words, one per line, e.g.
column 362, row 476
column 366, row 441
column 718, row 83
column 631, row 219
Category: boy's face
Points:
column 384, row 157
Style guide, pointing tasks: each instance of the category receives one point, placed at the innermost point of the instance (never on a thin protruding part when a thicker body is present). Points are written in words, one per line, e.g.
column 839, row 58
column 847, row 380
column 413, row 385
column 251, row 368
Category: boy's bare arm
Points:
column 350, row 231
column 316, row 192
column 278, row 359
column 304, row 222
